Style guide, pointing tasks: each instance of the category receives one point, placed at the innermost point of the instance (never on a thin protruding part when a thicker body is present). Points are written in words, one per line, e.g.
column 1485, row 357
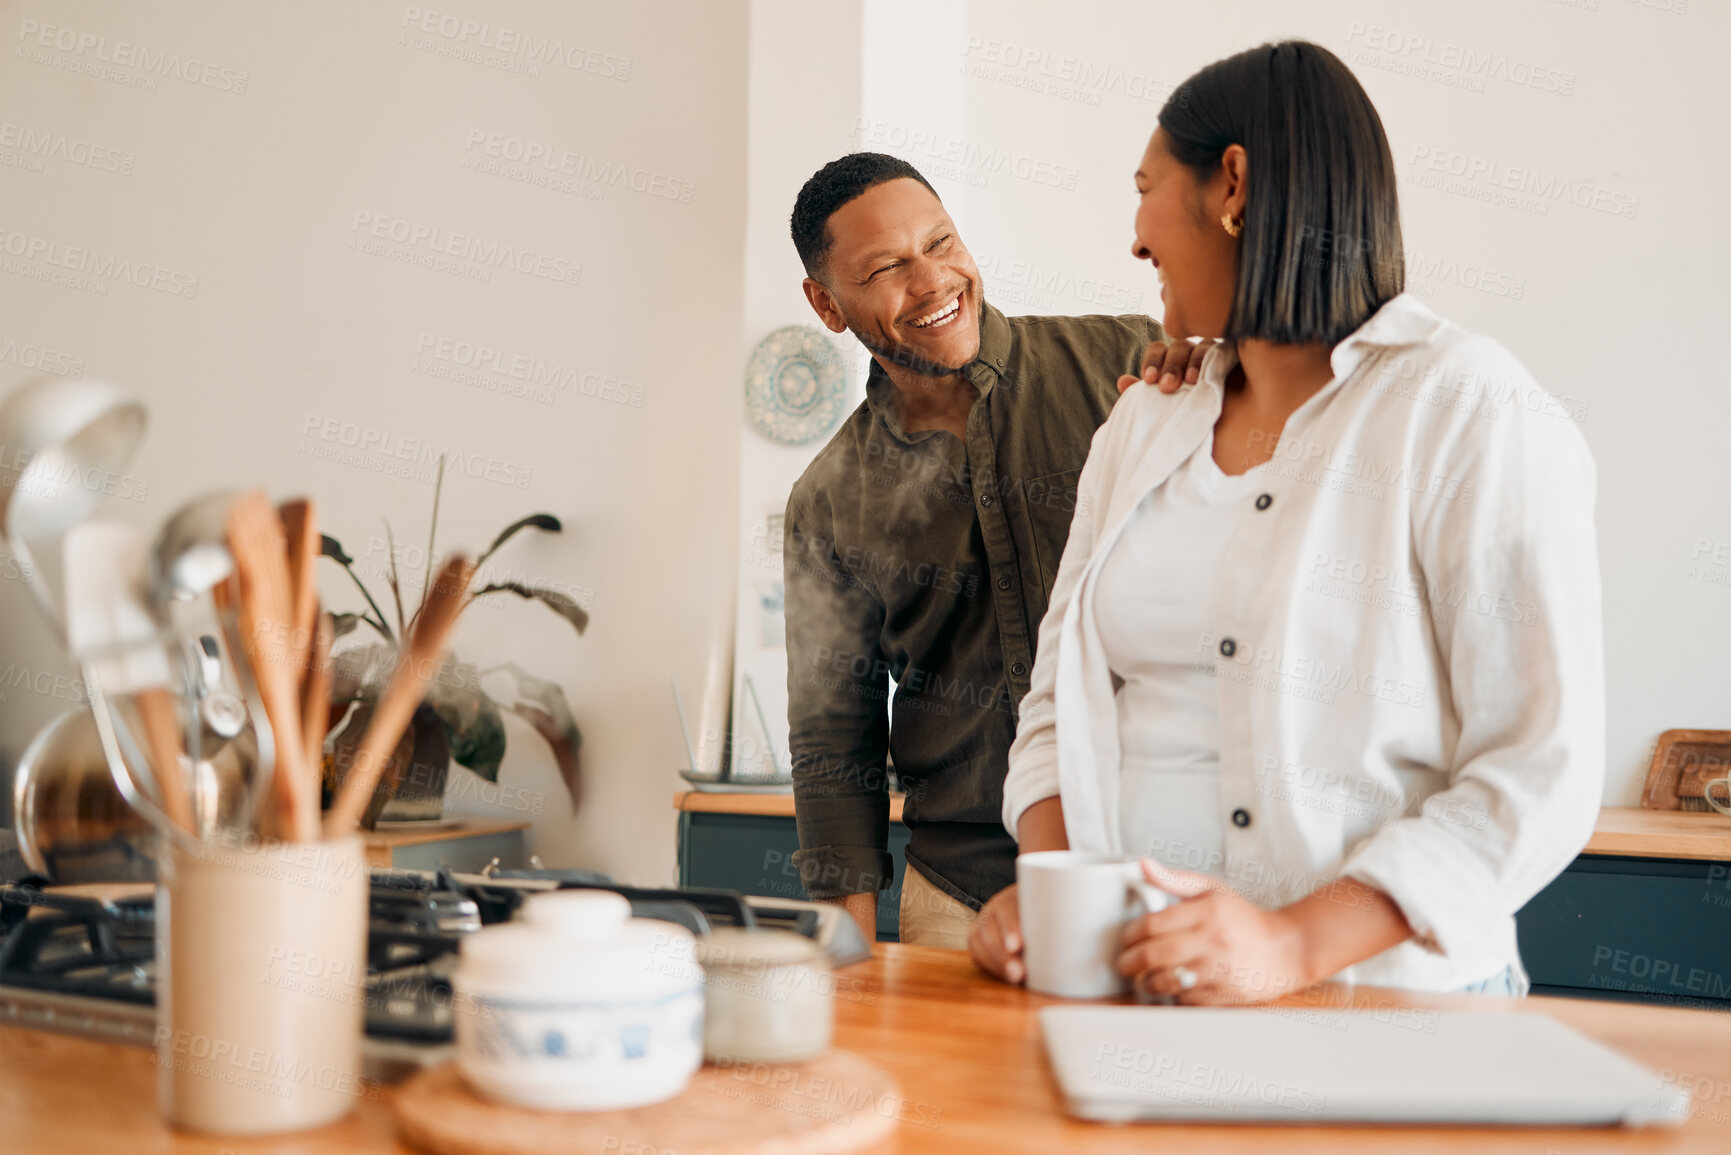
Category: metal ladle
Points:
column 56, row 433
column 190, row 554
column 188, row 559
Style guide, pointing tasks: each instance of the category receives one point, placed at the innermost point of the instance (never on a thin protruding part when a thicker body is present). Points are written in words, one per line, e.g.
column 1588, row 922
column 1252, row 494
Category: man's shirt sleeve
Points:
column 837, row 713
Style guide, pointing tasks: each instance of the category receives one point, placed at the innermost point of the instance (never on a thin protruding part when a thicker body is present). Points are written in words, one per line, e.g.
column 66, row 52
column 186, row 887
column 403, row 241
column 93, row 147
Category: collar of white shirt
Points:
column 1403, row 320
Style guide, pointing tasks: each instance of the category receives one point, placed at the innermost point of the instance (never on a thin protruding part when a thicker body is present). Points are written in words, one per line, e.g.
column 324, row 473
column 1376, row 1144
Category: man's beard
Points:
column 903, row 357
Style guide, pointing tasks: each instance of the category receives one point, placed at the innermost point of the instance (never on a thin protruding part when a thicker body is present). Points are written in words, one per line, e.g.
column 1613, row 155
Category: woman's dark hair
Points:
column 1321, row 248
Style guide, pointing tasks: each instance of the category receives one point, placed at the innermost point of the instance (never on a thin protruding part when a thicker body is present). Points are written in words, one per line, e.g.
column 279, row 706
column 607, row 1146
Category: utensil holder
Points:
column 261, row 983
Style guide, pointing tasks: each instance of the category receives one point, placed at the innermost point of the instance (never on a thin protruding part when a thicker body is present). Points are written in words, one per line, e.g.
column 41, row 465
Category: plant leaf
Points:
column 332, row 548
column 542, row 704
column 344, row 623
column 473, row 723
column 542, row 521
column 432, row 530
column 559, row 603
column 391, row 577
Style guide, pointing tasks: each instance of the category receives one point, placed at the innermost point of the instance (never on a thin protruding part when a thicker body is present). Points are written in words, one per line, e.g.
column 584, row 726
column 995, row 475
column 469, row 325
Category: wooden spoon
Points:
column 162, row 734
column 417, row 665
column 300, row 528
column 316, row 691
column 255, row 538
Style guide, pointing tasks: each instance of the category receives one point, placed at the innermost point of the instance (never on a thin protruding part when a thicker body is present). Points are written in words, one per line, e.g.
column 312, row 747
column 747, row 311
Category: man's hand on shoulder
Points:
column 1169, row 365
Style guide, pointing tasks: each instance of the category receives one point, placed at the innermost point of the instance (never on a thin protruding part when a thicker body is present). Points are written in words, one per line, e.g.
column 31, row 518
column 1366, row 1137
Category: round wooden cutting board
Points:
column 832, row 1105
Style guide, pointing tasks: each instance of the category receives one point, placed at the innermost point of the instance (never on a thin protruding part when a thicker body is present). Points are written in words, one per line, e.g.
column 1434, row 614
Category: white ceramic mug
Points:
column 1074, row 907
column 1707, row 793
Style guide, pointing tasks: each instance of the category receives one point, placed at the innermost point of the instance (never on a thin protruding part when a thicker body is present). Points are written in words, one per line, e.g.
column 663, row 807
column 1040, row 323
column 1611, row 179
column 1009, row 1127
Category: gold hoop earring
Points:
column 1232, row 227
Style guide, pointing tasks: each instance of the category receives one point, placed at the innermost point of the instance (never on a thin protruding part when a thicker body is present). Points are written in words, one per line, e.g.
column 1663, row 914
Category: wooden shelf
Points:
column 1638, row 833
column 767, row 805
column 416, row 836
column 379, row 846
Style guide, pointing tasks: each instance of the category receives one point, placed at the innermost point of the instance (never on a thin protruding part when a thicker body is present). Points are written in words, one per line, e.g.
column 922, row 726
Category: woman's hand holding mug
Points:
column 1213, row 947
column 995, row 939
column 1058, row 928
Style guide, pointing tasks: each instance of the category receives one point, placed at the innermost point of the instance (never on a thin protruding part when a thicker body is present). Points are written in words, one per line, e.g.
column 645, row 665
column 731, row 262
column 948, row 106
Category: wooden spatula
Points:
column 418, row 664
column 256, row 539
column 301, row 532
column 316, row 691
column 162, row 735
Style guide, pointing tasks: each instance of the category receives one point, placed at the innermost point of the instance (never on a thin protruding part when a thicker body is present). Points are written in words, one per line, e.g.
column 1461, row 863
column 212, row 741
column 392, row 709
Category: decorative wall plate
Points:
column 795, row 386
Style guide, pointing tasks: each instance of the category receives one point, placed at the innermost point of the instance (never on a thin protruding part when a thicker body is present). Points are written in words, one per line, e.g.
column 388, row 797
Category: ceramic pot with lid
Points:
column 771, row 997
column 577, row 1006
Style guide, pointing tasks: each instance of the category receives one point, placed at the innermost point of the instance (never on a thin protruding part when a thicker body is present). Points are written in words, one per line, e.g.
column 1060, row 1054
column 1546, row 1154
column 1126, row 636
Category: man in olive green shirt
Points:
column 922, row 543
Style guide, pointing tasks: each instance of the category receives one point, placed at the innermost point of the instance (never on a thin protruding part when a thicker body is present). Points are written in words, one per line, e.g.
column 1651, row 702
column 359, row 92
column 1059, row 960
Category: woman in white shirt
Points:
column 1325, row 647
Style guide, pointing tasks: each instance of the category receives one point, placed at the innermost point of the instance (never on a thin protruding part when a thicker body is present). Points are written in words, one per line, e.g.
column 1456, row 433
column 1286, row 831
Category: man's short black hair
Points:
column 1321, row 249
column 831, row 187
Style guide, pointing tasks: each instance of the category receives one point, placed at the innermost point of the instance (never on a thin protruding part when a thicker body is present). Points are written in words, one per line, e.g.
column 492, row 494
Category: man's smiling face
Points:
column 898, row 276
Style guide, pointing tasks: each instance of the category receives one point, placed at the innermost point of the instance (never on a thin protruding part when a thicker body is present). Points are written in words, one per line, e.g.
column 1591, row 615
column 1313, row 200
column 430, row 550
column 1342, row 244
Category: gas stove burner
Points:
column 87, row 965
column 402, row 903
column 81, row 946
column 498, row 894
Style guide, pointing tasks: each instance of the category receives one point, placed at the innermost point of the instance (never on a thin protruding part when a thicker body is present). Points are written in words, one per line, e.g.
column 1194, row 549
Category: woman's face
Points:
column 1178, row 231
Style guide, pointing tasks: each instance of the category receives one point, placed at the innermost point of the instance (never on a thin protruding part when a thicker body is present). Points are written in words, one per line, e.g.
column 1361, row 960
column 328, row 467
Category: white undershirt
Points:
column 1152, row 607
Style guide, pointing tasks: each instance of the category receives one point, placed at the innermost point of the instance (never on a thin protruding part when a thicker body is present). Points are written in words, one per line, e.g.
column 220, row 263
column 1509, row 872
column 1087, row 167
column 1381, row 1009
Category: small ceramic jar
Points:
column 577, row 1006
column 770, row 996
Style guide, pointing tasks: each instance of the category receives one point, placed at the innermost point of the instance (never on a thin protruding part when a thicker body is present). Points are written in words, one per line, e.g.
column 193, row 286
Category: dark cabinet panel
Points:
column 753, row 854
column 1634, row 929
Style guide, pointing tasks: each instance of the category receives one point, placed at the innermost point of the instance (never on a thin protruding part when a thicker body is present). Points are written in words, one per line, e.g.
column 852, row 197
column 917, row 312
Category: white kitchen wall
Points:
column 343, row 181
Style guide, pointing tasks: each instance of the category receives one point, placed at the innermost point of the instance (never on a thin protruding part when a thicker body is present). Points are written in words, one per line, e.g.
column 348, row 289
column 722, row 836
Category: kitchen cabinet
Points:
column 745, row 842
column 1642, row 915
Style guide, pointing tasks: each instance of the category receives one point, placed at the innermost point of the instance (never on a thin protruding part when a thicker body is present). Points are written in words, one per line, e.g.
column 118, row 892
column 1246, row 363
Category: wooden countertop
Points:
column 967, row 1053
column 1621, row 830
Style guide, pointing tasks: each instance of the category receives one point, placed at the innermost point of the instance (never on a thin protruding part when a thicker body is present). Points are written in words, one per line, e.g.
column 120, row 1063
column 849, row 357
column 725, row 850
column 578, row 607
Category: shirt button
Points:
column 1228, row 647
column 1018, row 669
column 1264, row 500
column 986, row 500
column 1241, row 818
column 1005, row 583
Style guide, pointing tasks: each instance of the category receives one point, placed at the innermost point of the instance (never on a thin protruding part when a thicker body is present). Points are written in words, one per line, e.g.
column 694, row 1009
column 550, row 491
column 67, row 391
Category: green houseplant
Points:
column 460, row 720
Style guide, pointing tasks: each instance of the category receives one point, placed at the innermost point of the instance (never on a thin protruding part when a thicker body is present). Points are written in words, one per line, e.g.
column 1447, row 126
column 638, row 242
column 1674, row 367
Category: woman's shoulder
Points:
column 1140, row 416
column 1457, row 378
column 1465, row 391
column 1144, row 409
